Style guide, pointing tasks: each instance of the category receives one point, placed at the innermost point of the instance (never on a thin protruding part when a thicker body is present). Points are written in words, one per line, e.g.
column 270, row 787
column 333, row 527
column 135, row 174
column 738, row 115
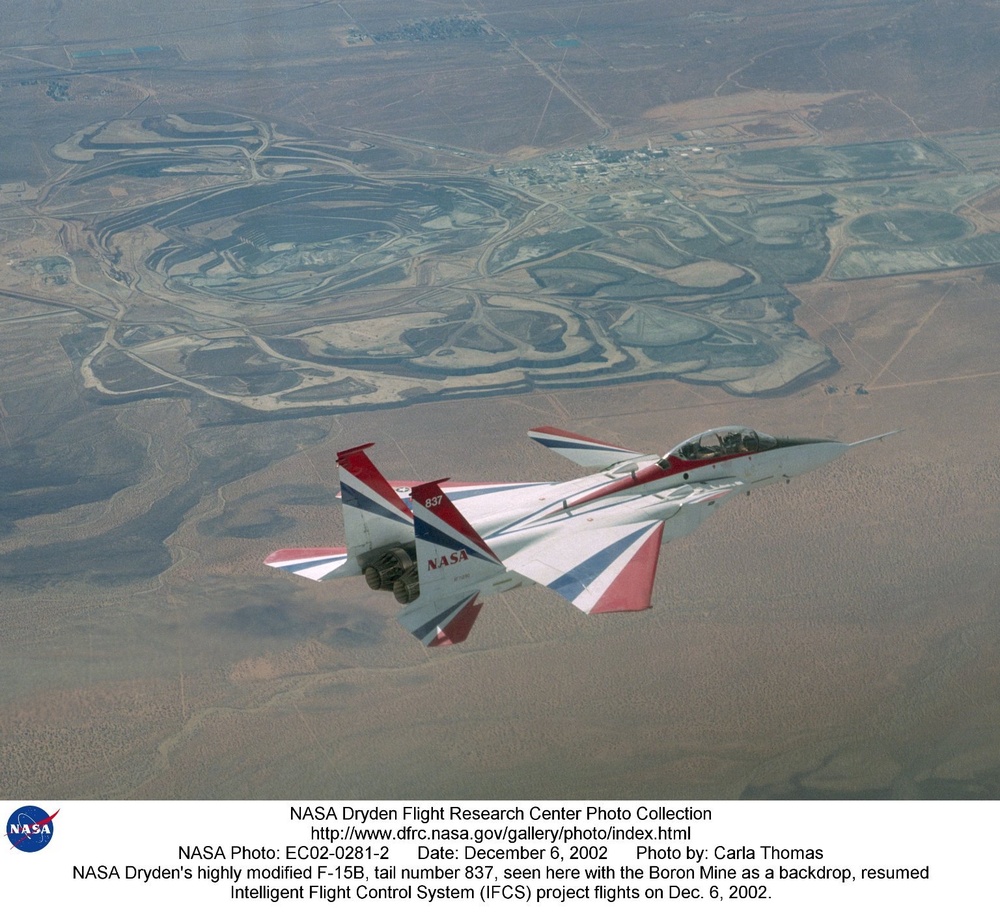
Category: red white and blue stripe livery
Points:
column 442, row 547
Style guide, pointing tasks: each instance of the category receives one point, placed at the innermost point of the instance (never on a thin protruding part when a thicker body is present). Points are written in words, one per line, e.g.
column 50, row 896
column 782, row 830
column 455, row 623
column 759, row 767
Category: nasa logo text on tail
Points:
column 30, row 828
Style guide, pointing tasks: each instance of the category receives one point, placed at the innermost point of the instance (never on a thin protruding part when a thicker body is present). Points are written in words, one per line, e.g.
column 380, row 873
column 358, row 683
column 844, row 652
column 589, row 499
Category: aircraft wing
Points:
column 478, row 500
column 596, row 568
column 591, row 453
column 603, row 568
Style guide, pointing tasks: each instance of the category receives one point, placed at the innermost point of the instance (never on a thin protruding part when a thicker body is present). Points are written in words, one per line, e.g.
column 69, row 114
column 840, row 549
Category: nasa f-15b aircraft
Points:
column 441, row 548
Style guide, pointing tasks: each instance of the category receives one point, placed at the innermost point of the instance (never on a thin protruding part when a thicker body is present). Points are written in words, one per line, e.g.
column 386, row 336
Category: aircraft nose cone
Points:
column 809, row 456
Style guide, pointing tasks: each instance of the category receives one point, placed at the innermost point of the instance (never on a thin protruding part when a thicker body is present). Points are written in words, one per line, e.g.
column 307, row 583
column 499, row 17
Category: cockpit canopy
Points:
column 721, row 442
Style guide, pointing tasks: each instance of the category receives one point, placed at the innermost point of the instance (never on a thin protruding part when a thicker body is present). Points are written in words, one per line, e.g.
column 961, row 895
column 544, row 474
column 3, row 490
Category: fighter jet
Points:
column 442, row 547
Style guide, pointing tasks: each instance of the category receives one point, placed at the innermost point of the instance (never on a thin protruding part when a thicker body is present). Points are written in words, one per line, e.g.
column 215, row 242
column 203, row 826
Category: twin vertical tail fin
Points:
column 427, row 557
column 377, row 523
column 450, row 553
column 375, row 516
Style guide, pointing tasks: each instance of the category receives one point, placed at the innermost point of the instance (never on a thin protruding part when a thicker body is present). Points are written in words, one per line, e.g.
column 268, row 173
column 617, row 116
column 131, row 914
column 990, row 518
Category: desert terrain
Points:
column 236, row 241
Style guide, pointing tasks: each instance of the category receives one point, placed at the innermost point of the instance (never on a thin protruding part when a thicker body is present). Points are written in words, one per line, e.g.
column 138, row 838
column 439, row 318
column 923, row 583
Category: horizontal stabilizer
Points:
column 314, row 563
column 591, row 453
column 441, row 623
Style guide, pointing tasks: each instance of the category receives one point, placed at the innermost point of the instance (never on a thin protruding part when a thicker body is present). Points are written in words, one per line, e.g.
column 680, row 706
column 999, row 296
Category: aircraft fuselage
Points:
column 593, row 540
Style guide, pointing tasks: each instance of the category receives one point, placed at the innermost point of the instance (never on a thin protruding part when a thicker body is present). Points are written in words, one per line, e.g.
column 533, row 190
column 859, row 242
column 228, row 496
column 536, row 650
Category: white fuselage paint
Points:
column 533, row 513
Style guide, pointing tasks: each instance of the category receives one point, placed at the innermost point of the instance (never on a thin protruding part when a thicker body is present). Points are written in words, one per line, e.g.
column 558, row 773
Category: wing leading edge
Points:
column 590, row 453
column 606, row 568
column 596, row 569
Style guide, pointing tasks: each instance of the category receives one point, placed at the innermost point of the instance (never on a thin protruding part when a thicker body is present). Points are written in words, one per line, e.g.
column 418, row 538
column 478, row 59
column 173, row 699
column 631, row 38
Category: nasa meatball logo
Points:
column 30, row 828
